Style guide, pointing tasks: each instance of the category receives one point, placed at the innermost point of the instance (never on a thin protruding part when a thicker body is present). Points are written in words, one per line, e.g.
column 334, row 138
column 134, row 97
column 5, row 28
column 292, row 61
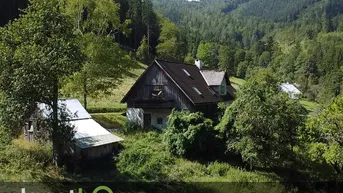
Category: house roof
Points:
column 88, row 133
column 212, row 77
column 187, row 84
column 289, row 88
column 189, row 79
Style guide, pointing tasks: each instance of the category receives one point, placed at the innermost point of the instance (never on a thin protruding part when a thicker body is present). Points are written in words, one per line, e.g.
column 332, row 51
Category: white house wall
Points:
column 135, row 115
column 158, row 113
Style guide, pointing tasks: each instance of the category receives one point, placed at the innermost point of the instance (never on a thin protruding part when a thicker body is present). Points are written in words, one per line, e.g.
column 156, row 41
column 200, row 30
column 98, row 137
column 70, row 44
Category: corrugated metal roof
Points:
column 212, row 77
column 289, row 88
column 95, row 141
column 88, row 133
column 73, row 106
column 88, row 128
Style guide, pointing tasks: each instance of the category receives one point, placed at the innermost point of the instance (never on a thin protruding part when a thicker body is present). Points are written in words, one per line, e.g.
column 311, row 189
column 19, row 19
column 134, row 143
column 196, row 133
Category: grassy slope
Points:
column 112, row 101
column 110, row 120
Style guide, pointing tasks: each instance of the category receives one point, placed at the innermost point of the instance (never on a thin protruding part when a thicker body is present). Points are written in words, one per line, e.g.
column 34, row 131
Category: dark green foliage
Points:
column 261, row 124
column 191, row 135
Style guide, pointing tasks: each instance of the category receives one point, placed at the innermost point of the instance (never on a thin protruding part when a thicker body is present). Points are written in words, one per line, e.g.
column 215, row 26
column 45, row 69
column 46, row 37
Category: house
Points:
column 91, row 140
column 291, row 90
column 166, row 85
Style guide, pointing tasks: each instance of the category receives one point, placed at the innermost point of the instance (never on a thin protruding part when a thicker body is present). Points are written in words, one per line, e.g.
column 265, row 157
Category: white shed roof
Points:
column 212, row 77
column 88, row 133
column 73, row 106
column 289, row 88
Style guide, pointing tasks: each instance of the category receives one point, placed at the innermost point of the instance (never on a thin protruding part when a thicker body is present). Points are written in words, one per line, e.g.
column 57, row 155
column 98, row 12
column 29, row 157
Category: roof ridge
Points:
column 175, row 62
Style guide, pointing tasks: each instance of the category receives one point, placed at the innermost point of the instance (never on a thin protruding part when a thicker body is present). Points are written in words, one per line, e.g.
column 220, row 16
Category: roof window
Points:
column 187, row 73
column 197, row 90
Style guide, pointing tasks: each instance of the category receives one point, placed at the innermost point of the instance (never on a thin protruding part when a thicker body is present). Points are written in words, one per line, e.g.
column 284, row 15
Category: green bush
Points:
column 5, row 137
column 184, row 169
column 218, row 169
column 191, row 135
column 132, row 127
column 144, row 157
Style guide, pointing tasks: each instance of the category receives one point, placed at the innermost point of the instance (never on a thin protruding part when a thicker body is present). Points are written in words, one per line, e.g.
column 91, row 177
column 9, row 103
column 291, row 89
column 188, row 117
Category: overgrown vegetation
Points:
column 23, row 161
column 192, row 136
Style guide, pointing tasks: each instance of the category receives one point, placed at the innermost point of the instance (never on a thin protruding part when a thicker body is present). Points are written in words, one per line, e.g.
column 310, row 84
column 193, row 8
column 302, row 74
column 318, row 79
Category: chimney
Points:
column 198, row 63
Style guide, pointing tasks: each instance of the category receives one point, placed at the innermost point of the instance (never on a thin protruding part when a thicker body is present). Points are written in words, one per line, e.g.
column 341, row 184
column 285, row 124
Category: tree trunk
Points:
column 55, row 141
column 149, row 41
column 85, row 91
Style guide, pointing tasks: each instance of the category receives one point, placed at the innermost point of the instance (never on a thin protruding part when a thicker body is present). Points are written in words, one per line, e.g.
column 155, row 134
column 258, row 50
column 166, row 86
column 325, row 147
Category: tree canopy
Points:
column 262, row 123
column 37, row 51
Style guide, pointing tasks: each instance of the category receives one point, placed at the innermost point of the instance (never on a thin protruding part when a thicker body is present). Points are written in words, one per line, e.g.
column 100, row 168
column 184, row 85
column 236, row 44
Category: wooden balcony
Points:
column 154, row 104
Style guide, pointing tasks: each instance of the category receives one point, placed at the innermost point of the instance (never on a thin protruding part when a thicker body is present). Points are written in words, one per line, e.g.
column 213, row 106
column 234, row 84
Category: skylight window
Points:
column 197, row 91
column 187, row 73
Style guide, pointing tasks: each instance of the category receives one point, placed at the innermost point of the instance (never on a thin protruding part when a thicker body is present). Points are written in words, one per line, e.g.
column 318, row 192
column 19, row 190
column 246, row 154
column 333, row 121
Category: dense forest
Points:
column 300, row 40
column 63, row 48
column 140, row 16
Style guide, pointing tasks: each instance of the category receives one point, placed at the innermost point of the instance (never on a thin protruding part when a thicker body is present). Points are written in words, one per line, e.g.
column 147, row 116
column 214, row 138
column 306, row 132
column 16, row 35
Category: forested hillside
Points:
column 300, row 40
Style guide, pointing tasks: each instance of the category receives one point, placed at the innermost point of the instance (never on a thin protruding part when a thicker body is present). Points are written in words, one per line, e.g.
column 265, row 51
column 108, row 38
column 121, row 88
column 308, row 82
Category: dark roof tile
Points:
column 186, row 83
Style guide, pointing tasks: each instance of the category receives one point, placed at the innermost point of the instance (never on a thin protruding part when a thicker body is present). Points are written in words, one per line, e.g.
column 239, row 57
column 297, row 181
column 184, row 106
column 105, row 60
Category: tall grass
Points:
column 23, row 161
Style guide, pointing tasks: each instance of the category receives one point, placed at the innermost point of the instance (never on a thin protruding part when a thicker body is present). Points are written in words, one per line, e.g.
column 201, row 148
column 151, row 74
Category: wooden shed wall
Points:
column 96, row 152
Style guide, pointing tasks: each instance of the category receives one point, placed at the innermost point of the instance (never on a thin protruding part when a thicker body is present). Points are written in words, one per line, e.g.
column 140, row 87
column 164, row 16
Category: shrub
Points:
column 218, row 169
column 144, row 157
column 5, row 137
column 184, row 169
column 191, row 135
column 132, row 127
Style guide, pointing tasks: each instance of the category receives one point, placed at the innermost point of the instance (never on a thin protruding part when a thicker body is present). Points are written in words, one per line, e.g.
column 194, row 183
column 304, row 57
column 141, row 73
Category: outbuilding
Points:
column 91, row 140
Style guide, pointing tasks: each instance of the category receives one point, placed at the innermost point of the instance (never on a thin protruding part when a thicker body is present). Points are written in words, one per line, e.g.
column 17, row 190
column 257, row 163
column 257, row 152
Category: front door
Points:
column 147, row 120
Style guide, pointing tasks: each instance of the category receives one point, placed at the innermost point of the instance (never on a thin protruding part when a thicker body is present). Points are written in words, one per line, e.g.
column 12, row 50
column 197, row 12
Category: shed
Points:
column 91, row 140
column 292, row 91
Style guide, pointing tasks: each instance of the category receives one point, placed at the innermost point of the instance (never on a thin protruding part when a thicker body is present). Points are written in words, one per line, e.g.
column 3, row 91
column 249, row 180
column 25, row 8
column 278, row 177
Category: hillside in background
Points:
column 300, row 40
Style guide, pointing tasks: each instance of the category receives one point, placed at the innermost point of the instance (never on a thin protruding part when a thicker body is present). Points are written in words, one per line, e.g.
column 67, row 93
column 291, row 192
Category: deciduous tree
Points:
column 37, row 51
column 261, row 125
column 96, row 23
